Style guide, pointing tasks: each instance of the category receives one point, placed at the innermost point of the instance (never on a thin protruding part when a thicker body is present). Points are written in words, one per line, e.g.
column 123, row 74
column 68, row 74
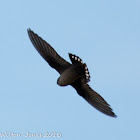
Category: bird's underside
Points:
column 75, row 74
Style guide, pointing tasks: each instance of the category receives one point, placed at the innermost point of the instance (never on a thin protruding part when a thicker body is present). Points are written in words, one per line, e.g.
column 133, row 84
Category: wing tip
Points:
column 29, row 31
column 111, row 113
column 114, row 115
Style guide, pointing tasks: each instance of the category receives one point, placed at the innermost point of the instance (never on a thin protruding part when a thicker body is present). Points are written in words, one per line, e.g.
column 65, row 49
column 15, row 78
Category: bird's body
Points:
column 75, row 74
column 69, row 76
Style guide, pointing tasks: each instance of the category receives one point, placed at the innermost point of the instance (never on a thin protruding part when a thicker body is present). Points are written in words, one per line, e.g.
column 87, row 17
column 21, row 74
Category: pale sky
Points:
column 105, row 34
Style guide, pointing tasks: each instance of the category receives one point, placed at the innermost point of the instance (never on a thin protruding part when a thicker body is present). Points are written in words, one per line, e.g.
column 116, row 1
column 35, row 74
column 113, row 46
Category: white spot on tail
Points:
column 86, row 68
column 86, row 71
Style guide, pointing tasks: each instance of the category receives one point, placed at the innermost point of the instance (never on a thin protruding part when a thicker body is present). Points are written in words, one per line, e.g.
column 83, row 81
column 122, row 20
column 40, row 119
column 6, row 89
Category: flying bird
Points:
column 75, row 74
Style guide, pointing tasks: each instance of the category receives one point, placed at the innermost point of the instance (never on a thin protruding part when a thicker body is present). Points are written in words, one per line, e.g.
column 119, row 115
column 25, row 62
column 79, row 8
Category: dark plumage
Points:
column 75, row 74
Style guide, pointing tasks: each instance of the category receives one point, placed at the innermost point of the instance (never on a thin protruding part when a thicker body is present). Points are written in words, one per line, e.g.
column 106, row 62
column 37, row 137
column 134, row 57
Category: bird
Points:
column 75, row 74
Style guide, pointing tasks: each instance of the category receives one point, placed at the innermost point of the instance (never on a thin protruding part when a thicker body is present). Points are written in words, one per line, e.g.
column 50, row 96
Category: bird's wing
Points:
column 48, row 53
column 94, row 99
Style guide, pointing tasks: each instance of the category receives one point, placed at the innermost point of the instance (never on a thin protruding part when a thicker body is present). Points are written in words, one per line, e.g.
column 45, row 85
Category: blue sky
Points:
column 105, row 34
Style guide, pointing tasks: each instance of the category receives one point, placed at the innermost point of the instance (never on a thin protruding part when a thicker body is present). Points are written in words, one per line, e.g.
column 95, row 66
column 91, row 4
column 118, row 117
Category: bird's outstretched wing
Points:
column 93, row 98
column 48, row 53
